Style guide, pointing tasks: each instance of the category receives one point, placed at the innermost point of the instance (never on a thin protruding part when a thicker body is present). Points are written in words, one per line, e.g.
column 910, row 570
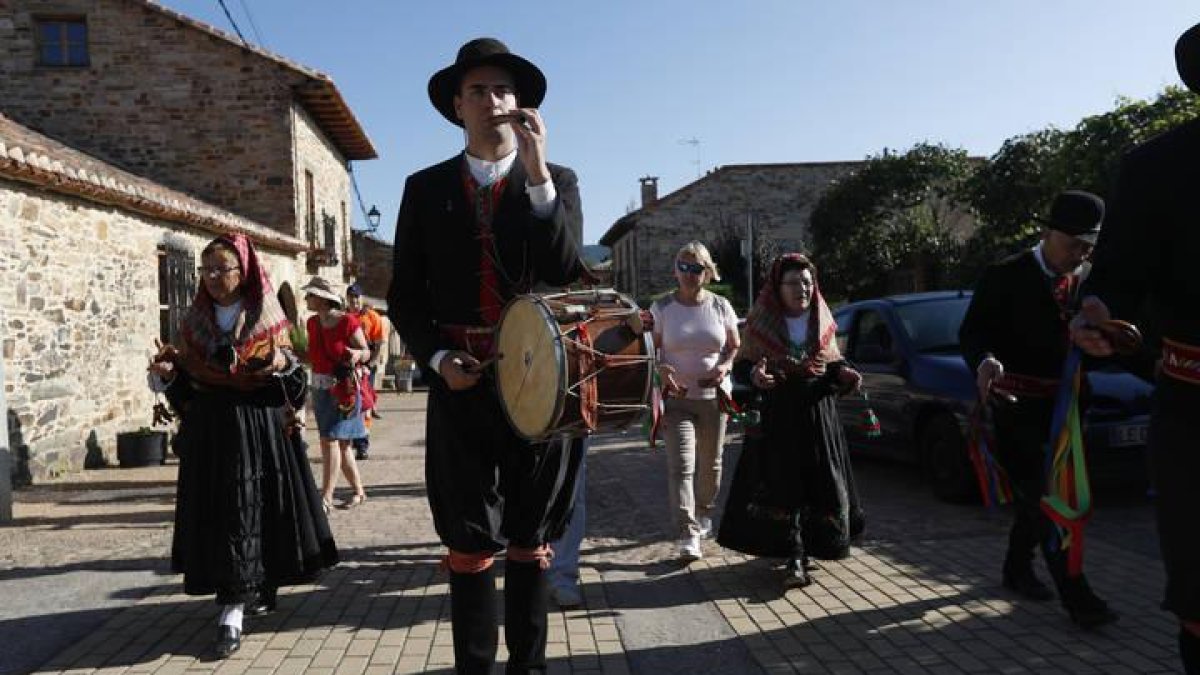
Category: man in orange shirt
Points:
column 372, row 326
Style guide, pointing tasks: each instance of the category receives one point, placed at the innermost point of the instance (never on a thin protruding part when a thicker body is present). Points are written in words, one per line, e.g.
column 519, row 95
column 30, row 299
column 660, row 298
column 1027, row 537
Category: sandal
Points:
column 354, row 501
column 326, row 505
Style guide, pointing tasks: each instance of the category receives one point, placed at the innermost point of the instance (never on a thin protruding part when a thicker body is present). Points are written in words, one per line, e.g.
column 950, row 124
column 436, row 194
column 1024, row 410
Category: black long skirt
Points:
column 248, row 514
column 793, row 491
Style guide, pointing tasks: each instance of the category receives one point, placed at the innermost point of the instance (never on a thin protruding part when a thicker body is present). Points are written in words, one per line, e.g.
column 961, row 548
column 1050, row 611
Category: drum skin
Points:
column 541, row 340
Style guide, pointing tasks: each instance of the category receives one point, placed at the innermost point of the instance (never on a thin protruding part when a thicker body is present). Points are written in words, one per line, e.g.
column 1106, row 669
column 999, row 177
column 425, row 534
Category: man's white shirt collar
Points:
column 486, row 172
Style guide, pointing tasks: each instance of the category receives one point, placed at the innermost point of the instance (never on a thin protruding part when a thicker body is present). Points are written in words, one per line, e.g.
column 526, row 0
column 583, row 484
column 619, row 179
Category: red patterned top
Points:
column 327, row 346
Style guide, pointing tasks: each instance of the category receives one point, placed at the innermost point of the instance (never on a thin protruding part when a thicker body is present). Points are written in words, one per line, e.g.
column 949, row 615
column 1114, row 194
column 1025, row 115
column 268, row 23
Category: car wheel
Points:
column 947, row 466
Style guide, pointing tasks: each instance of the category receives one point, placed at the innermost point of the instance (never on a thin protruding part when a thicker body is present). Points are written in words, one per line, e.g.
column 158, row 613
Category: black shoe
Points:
column 264, row 604
column 1085, row 607
column 795, row 575
column 1189, row 652
column 361, row 454
column 375, row 414
column 229, row 640
column 1026, row 584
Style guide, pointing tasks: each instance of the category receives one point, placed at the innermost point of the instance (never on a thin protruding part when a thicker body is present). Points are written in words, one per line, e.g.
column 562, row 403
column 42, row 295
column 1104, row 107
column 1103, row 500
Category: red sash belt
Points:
column 477, row 341
column 1181, row 361
column 1028, row 385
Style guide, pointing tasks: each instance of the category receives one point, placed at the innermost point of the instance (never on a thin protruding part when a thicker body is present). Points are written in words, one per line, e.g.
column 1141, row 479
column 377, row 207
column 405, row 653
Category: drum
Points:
column 573, row 363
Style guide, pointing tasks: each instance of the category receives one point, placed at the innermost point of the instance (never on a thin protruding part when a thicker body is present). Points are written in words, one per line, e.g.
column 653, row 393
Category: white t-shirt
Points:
column 692, row 338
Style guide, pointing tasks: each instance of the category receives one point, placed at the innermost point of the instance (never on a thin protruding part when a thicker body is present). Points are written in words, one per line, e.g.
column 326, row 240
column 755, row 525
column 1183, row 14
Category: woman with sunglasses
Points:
column 695, row 333
column 248, row 516
column 794, row 472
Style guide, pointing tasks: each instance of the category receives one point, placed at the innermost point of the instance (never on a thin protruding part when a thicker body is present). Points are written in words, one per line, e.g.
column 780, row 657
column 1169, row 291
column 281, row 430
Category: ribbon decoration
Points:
column 870, row 422
column 1068, row 498
column 650, row 425
column 994, row 485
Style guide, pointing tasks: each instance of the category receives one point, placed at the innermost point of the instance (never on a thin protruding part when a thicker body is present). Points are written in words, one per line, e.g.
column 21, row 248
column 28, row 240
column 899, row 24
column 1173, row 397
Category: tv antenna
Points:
column 695, row 143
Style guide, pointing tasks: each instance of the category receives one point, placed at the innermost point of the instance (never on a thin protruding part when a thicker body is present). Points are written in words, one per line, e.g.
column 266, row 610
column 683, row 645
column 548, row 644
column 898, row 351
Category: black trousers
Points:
column 1022, row 433
column 1175, row 468
column 489, row 489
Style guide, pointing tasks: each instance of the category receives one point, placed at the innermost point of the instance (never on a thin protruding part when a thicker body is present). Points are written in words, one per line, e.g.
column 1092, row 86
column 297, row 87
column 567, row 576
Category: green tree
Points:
column 1019, row 182
column 899, row 215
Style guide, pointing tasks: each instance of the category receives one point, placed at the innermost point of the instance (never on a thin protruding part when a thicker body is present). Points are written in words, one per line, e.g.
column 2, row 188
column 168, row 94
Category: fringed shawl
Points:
column 766, row 325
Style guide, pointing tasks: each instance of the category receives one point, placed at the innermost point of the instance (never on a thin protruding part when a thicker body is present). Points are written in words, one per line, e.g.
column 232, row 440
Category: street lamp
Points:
column 373, row 218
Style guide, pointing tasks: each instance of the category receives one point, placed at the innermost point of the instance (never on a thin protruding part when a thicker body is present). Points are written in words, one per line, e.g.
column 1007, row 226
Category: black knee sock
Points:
column 526, row 596
column 473, row 617
column 1189, row 651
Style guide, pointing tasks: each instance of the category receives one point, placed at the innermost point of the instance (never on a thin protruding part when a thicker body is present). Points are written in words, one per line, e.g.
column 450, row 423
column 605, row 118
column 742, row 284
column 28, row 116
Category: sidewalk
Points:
column 86, row 586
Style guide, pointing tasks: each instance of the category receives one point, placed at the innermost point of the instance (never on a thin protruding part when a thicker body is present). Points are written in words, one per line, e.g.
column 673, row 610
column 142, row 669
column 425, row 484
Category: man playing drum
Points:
column 473, row 232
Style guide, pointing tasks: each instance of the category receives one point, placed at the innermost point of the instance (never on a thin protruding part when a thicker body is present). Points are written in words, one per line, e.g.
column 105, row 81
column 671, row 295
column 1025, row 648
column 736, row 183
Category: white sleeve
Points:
column 542, row 198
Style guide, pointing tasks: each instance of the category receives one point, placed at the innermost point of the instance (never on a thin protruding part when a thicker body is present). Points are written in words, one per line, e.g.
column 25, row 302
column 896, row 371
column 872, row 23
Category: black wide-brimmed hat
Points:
column 530, row 82
column 1078, row 214
column 1187, row 58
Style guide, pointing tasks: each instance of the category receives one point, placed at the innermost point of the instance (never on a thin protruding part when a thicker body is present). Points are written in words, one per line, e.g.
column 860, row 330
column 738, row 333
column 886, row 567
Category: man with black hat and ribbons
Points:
column 473, row 231
column 1015, row 338
column 1147, row 260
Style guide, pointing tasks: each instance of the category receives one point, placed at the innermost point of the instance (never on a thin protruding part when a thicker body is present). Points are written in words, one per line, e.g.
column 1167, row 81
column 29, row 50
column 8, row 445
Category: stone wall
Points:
column 161, row 99
column 331, row 186
column 374, row 259
column 78, row 321
column 778, row 197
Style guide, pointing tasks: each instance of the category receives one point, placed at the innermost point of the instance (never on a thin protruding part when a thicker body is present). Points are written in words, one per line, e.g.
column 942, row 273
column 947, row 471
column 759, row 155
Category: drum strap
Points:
column 589, row 392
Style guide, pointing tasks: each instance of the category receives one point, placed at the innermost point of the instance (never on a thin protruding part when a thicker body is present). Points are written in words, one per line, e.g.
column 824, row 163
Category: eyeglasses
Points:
column 796, row 284
column 689, row 268
column 216, row 272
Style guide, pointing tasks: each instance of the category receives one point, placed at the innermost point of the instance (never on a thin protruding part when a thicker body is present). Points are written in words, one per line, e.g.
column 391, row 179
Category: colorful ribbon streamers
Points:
column 870, row 422
column 1068, row 498
column 994, row 486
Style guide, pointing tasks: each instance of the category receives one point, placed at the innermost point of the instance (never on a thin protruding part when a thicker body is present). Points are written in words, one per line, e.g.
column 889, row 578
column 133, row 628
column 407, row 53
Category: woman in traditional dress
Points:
column 695, row 331
column 248, row 517
column 336, row 347
column 794, row 467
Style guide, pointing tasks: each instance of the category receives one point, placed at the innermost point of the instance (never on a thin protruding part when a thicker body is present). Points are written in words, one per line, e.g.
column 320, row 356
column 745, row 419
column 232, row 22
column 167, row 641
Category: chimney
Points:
column 649, row 190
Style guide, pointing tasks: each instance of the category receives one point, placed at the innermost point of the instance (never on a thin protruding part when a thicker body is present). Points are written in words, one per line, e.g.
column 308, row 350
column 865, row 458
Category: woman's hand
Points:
column 849, row 380
column 162, row 363
column 760, row 377
column 670, row 385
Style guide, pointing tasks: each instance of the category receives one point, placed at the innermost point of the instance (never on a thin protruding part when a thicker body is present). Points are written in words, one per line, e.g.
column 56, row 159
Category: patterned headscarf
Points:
column 766, row 326
column 261, row 327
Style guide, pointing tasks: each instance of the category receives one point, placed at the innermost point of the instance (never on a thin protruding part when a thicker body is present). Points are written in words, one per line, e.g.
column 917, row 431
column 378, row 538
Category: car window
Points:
column 933, row 326
column 872, row 338
column 844, row 319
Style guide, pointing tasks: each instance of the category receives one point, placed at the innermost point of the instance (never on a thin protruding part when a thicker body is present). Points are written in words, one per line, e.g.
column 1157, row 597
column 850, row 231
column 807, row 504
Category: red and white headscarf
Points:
column 262, row 324
column 766, row 325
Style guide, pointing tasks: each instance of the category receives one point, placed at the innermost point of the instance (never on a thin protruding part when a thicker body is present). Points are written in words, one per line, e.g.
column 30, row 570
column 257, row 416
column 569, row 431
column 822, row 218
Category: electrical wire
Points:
column 232, row 22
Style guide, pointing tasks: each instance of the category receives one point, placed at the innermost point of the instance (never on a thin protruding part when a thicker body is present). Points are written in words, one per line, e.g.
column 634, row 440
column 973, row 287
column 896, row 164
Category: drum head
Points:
column 531, row 376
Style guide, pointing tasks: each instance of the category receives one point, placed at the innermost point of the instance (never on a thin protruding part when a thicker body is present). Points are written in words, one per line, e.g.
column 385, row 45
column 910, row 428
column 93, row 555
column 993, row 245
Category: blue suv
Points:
column 906, row 347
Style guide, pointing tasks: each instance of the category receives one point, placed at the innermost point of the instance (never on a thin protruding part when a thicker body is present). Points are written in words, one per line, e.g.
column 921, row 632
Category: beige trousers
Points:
column 694, row 432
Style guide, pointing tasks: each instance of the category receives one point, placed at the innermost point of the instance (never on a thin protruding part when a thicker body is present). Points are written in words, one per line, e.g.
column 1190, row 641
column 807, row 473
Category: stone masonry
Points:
column 779, row 198
column 79, row 325
column 168, row 97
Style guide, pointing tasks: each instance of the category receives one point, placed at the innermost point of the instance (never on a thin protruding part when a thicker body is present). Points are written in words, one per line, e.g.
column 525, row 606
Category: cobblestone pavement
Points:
column 86, row 587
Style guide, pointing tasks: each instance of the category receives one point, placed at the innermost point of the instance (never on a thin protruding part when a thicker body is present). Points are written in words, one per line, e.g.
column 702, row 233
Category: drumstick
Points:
column 485, row 363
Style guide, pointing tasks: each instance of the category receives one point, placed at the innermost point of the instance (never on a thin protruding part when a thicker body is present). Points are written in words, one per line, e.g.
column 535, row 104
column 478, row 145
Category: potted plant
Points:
column 144, row 447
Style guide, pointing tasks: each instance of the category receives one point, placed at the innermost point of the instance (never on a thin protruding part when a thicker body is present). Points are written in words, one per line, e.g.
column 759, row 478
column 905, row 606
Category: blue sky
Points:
column 754, row 81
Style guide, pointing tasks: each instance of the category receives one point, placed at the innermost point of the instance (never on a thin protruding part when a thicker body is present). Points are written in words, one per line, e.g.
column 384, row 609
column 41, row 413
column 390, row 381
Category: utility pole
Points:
column 749, row 253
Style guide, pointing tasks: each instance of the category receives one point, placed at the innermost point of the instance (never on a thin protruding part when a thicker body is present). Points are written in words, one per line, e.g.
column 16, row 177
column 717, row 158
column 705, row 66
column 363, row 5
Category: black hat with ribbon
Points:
column 530, row 82
column 1078, row 214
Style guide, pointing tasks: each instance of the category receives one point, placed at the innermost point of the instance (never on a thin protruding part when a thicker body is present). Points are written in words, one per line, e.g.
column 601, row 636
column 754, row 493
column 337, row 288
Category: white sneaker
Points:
column 706, row 530
column 689, row 549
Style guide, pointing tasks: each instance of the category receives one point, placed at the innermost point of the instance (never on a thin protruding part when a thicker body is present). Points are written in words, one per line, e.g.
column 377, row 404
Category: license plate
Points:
column 1129, row 434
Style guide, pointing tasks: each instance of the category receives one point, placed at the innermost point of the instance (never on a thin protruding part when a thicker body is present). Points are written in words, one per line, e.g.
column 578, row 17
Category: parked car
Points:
column 906, row 347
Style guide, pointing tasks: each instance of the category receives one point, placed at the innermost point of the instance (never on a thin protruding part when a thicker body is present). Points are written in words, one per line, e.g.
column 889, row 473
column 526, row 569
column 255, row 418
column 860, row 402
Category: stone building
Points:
column 130, row 135
column 168, row 97
column 775, row 200
column 374, row 267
